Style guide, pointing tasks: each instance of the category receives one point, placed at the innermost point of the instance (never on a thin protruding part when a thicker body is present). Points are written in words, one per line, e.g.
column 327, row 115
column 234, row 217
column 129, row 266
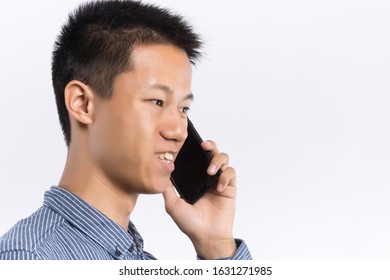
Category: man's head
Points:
column 96, row 44
column 122, row 78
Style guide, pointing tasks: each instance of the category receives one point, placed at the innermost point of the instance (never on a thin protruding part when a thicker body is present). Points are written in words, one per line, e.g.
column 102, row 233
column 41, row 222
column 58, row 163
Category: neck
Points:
column 86, row 180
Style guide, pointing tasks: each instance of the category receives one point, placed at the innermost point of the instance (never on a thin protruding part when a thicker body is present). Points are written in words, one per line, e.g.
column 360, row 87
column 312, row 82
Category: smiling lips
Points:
column 167, row 159
column 166, row 156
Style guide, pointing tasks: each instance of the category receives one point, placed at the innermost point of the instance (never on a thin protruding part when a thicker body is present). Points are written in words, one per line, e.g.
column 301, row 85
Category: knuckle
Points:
column 228, row 173
column 232, row 171
column 225, row 156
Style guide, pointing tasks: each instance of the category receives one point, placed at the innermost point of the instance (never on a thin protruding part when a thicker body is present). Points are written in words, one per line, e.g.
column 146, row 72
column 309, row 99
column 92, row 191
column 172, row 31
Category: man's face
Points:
column 137, row 134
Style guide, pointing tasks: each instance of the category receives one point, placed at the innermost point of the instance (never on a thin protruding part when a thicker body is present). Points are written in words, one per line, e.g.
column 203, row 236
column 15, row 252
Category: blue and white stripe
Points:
column 68, row 228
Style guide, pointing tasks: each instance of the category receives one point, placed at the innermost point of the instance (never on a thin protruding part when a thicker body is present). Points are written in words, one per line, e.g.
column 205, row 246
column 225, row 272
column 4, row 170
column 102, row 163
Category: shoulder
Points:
column 23, row 239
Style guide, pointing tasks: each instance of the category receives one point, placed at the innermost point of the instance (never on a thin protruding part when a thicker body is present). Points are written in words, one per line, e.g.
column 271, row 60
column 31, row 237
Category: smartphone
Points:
column 190, row 176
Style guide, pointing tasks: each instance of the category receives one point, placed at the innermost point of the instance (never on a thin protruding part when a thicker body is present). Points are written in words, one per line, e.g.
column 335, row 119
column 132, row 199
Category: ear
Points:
column 79, row 101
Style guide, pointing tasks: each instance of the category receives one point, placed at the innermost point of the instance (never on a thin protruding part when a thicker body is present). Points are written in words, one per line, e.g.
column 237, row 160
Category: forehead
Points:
column 159, row 55
column 163, row 65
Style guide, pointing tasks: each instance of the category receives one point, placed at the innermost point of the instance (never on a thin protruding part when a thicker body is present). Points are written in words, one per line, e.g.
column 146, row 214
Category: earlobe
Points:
column 79, row 101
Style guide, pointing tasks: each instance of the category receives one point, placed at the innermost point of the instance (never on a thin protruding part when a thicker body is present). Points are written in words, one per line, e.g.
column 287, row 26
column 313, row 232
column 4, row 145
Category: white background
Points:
column 297, row 92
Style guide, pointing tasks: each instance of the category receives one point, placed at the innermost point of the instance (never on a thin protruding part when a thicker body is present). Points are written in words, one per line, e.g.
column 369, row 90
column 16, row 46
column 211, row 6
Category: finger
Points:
column 210, row 146
column 219, row 161
column 227, row 178
column 170, row 198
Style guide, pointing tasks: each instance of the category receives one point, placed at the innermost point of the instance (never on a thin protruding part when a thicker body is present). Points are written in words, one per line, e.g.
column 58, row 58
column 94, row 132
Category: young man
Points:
column 121, row 74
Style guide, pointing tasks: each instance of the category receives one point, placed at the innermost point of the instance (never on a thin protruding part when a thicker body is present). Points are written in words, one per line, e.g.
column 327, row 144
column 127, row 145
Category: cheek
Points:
column 124, row 146
column 125, row 142
column 108, row 135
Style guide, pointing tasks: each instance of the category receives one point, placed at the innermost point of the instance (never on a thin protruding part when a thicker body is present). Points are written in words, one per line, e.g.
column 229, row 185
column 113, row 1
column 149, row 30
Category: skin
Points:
column 113, row 153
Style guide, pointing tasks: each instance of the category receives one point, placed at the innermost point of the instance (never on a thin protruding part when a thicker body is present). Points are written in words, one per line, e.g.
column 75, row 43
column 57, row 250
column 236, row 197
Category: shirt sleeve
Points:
column 242, row 252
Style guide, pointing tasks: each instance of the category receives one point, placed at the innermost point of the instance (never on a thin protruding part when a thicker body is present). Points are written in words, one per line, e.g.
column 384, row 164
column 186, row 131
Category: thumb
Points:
column 176, row 207
column 170, row 198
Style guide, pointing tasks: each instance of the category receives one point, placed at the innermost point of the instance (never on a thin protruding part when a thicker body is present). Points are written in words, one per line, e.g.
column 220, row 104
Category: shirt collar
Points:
column 83, row 216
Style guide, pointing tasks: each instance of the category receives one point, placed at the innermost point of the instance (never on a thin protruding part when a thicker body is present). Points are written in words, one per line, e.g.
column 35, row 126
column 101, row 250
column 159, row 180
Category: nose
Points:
column 174, row 127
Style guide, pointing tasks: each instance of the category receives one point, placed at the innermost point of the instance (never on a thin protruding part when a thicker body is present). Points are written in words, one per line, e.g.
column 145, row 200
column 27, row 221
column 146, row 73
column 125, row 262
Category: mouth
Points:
column 166, row 156
column 167, row 161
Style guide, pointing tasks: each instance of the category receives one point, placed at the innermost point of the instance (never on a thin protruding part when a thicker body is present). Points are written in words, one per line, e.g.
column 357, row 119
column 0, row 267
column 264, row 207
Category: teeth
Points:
column 168, row 156
column 165, row 156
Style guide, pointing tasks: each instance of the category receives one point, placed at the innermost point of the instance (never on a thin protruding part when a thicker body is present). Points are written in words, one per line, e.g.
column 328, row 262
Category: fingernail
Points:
column 220, row 187
column 212, row 168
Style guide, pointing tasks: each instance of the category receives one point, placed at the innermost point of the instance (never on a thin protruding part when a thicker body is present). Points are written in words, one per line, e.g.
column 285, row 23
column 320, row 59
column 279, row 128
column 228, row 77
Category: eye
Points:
column 158, row 102
column 184, row 110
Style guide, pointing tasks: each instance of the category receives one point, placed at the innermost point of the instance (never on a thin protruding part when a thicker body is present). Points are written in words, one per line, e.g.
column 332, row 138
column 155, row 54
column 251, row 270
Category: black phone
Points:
column 190, row 176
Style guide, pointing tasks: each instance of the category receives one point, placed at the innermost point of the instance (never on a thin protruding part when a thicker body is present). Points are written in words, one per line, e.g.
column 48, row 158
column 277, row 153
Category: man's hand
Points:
column 209, row 222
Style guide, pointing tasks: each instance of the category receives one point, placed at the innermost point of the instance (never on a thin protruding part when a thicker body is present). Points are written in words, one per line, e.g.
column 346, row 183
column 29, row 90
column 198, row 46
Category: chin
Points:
column 158, row 186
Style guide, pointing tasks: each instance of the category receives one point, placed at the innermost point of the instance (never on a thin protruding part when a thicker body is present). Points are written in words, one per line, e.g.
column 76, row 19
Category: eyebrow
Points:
column 169, row 90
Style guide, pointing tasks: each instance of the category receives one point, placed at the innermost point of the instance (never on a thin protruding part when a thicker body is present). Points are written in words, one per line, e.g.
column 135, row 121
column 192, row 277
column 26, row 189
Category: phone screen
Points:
column 190, row 176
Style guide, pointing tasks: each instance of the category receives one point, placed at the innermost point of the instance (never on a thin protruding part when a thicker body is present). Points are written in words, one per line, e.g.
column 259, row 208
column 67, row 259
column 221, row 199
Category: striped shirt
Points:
column 68, row 228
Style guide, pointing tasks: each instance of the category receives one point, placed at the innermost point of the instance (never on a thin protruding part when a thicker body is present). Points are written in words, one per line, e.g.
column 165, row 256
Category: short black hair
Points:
column 96, row 42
